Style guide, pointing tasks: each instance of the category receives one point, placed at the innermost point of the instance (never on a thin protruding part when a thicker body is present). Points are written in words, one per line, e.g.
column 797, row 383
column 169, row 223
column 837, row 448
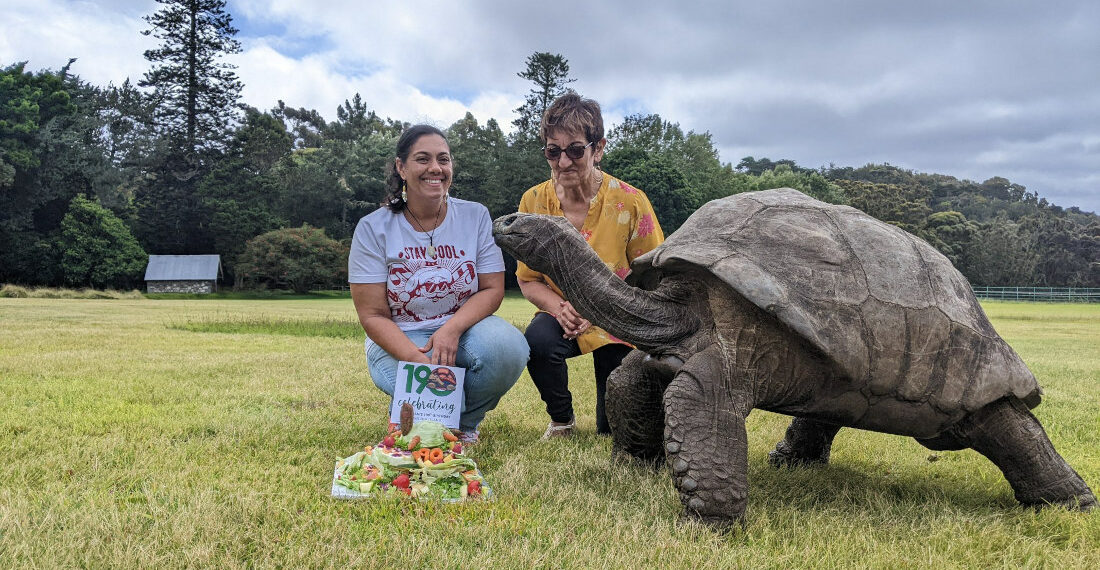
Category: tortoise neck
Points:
column 646, row 319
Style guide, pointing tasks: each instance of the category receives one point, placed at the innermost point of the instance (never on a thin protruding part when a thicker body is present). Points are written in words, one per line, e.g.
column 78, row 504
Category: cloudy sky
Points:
column 969, row 88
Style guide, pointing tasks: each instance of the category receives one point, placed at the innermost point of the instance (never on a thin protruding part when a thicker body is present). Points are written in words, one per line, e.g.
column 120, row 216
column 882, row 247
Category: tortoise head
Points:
column 545, row 243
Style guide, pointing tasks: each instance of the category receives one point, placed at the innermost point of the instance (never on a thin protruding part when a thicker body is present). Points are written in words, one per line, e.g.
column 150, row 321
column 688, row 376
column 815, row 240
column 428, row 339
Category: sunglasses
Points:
column 574, row 151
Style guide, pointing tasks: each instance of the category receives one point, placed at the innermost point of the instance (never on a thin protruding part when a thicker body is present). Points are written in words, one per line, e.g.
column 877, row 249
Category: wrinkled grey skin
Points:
column 774, row 300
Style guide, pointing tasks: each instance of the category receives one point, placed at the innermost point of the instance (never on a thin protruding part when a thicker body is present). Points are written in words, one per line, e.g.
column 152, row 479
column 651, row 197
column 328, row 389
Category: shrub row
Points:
column 16, row 291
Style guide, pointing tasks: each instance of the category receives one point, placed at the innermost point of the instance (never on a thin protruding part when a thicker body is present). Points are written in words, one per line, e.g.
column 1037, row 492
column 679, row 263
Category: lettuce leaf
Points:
column 381, row 460
column 431, row 435
column 449, row 487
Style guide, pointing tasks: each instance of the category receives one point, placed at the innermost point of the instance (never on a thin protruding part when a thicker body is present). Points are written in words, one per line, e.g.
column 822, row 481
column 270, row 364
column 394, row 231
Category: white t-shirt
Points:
column 424, row 292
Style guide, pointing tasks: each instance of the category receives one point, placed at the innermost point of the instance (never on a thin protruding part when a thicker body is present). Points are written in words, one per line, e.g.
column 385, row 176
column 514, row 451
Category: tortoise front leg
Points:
column 807, row 442
column 635, row 410
column 706, row 442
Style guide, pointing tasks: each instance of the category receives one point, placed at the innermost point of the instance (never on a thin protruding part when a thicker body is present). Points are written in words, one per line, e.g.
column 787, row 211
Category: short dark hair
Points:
column 404, row 145
column 573, row 113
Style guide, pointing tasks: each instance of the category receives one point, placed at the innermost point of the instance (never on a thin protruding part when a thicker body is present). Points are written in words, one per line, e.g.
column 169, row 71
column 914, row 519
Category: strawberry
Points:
column 473, row 488
column 388, row 442
column 401, row 481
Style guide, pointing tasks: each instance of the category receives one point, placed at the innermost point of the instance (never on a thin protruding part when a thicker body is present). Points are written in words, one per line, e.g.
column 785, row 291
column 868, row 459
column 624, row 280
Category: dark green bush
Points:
column 97, row 249
column 299, row 259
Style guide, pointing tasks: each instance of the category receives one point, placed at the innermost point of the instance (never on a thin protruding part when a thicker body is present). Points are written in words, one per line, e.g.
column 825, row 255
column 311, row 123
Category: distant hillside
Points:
column 996, row 232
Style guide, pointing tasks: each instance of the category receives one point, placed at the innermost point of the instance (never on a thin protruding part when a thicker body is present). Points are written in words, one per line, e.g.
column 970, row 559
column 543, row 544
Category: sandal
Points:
column 555, row 430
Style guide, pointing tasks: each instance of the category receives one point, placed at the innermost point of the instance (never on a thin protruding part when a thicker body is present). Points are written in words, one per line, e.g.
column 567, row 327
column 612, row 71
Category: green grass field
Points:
column 134, row 434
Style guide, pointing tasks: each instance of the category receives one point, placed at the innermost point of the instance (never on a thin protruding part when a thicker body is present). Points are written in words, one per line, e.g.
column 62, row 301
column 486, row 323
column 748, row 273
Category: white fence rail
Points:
column 1055, row 294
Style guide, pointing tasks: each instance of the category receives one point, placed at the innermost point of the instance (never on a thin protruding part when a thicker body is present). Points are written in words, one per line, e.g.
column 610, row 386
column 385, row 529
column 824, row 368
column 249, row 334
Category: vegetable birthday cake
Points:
column 423, row 460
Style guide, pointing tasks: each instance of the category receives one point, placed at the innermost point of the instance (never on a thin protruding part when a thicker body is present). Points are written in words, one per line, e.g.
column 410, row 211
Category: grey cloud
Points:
column 971, row 89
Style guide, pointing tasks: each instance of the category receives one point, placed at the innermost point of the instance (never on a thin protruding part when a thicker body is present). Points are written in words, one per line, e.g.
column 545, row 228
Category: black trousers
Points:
column 548, row 368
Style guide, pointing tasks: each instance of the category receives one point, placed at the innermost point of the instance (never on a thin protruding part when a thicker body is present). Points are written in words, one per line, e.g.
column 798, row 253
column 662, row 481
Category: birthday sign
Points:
column 434, row 391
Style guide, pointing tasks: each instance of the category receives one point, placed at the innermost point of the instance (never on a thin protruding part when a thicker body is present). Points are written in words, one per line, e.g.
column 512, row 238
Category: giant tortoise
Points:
column 777, row 301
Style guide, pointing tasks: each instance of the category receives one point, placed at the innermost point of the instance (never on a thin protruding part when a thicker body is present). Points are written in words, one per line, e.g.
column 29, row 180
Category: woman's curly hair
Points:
column 574, row 114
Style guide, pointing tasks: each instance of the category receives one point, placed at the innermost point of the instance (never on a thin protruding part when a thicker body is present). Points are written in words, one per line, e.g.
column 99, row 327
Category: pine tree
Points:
column 196, row 97
column 197, row 93
column 550, row 73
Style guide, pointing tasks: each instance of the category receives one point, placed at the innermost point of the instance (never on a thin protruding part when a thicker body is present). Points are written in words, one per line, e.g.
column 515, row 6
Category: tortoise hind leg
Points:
column 706, row 440
column 635, row 411
column 807, row 442
column 1013, row 439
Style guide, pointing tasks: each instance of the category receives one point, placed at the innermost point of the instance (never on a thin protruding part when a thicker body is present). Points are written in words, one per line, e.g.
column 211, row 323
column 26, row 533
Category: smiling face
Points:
column 567, row 171
column 428, row 170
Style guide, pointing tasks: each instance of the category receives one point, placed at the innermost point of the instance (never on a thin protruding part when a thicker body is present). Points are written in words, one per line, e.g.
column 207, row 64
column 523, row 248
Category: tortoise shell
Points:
column 888, row 309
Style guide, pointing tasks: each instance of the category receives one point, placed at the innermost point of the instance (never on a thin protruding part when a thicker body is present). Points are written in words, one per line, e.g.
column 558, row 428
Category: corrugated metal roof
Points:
column 183, row 267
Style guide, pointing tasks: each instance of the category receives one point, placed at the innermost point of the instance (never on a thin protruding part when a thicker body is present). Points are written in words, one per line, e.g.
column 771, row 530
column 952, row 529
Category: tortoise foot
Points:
column 1071, row 494
column 646, row 459
column 1082, row 503
column 785, row 456
column 807, row 443
column 719, row 524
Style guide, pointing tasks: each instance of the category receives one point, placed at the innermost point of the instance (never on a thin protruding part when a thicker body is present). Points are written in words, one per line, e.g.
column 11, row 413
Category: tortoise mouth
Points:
column 504, row 234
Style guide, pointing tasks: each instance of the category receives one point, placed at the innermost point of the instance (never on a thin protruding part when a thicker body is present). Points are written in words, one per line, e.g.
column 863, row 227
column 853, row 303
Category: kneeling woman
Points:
column 426, row 278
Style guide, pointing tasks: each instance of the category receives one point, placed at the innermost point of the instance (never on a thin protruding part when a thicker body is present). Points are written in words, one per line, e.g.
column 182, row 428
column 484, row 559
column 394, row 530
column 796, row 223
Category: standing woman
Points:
column 426, row 277
column 615, row 219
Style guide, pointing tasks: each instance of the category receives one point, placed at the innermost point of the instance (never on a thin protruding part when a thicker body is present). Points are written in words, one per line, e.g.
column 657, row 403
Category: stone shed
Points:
column 183, row 273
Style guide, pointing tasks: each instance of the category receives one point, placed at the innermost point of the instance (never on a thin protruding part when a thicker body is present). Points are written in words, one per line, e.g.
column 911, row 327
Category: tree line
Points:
column 94, row 178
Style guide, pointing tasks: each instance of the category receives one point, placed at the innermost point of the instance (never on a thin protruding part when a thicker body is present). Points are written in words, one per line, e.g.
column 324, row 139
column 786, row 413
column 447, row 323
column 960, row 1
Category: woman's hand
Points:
column 571, row 321
column 443, row 345
column 548, row 301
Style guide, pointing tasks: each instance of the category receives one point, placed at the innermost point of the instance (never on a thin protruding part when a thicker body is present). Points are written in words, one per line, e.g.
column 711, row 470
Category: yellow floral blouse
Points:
column 621, row 225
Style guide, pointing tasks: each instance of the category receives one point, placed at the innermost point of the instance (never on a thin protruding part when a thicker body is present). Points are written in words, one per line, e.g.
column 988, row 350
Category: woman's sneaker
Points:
column 556, row 430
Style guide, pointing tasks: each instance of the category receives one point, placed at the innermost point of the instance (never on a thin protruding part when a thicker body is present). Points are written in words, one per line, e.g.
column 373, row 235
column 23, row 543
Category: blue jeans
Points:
column 493, row 352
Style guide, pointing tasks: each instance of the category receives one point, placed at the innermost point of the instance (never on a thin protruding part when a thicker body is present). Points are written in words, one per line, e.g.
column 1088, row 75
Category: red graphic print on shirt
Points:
column 422, row 288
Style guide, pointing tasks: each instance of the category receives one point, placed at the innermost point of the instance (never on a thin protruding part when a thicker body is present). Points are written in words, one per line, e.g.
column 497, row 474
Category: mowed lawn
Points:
column 131, row 438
